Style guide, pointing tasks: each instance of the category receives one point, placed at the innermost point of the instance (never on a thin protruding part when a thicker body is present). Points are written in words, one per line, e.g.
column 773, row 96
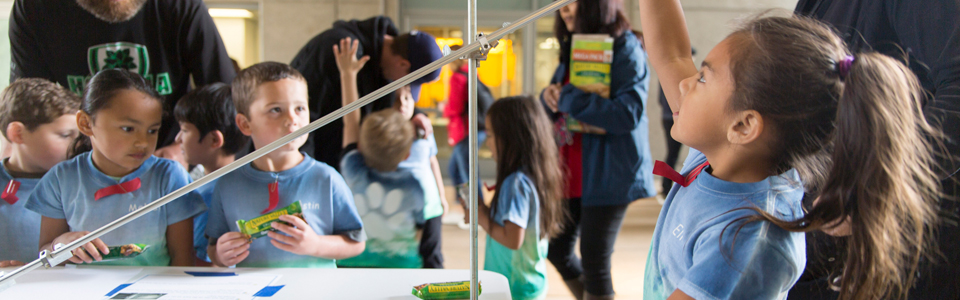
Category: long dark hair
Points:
column 858, row 138
column 524, row 140
column 101, row 89
column 593, row 16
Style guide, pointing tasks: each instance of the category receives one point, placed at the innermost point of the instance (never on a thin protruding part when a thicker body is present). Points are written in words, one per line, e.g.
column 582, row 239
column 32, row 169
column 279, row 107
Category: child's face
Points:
column 280, row 107
column 704, row 113
column 491, row 139
column 47, row 144
column 405, row 102
column 124, row 132
column 196, row 150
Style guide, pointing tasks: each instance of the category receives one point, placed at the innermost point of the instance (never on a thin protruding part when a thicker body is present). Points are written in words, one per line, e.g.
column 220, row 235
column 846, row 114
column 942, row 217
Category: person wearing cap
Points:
column 392, row 56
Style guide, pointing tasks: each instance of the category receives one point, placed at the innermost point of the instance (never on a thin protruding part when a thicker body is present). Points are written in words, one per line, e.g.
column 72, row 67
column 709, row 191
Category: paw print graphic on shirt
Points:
column 383, row 217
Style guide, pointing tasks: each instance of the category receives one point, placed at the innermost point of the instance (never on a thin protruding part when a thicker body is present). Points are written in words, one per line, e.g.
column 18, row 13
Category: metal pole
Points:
column 472, row 157
column 63, row 253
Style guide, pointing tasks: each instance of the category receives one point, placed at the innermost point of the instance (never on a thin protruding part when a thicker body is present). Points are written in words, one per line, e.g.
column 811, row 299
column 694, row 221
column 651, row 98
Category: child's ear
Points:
column 405, row 64
column 15, row 132
column 215, row 138
column 84, row 123
column 746, row 128
column 244, row 124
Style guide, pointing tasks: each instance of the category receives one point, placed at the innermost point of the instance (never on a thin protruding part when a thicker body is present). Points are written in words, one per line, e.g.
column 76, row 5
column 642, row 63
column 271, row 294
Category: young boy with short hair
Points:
column 39, row 119
column 271, row 102
column 395, row 185
column 208, row 137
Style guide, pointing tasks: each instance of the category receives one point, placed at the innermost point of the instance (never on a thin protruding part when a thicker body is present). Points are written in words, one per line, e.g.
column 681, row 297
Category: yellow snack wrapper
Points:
column 258, row 227
column 445, row 290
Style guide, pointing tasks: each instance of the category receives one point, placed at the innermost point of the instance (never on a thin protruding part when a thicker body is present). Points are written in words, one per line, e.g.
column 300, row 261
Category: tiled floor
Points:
column 629, row 258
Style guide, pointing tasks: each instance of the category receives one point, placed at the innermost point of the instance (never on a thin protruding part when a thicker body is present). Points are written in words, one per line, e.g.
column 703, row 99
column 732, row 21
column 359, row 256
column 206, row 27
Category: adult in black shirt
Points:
column 924, row 34
column 391, row 56
column 165, row 41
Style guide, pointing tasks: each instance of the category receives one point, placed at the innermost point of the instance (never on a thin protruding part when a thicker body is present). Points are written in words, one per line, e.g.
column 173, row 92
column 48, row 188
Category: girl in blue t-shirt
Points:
column 526, row 209
column 779, row 100
column 119, row 118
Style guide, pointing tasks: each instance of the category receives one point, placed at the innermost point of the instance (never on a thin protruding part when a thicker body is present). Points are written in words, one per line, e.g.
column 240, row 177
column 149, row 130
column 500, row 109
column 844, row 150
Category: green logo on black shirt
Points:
column 120, row 55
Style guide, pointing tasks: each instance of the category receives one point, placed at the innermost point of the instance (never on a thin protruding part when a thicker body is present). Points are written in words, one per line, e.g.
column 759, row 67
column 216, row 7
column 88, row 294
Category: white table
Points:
column 94, row 282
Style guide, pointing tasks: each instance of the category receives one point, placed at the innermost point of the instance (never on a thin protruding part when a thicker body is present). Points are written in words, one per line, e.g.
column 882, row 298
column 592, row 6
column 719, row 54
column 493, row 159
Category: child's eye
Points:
column 275, row 110
column 701, row 80
column 127, row 129
column 152, row 131
column 301, row 108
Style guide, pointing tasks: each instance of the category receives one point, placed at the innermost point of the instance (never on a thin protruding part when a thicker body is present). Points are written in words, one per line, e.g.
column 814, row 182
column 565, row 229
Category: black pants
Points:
column 673, row 152
column 430, row 244
column 597, row 227
column 937, row 279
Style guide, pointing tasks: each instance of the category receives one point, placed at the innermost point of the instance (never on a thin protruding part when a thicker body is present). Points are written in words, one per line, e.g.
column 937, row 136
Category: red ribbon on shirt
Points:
column 274, row 197
column 10, row 193
column 663, row 169
column 122, row 188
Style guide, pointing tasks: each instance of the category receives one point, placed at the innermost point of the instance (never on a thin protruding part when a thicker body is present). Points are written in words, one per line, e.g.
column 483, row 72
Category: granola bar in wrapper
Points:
column 258, row 227
column 445, row 290
column 124, row 251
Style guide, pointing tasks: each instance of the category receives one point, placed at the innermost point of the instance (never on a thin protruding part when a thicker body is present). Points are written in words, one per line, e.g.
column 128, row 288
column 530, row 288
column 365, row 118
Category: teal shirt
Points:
column 391, row 205
column 525, row 268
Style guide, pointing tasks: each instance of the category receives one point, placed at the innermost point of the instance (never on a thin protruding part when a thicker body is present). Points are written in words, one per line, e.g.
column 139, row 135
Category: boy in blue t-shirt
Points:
column 209, row 137
column 39, row 118
column 271, row 101
column 391, row 176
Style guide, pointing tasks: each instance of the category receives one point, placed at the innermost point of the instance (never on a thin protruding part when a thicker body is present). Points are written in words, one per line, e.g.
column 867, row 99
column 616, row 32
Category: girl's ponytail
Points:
column 882, row 179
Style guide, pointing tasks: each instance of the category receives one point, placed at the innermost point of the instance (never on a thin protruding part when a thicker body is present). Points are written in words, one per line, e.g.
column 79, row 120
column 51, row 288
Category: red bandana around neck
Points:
column 116, row 189
column 663, row 169
column 10, row 193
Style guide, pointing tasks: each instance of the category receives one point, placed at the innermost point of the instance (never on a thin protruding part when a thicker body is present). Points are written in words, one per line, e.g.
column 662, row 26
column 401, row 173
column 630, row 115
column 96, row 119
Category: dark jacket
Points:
column 317, row 62
column 617, row 166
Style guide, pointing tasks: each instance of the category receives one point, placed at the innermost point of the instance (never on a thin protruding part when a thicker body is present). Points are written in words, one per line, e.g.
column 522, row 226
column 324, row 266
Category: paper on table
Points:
column 179, row 287
column 68, row 283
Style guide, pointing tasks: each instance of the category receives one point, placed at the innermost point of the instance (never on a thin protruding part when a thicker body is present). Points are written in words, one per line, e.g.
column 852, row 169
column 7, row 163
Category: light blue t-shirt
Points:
column 326, row 201
column 525, row 268
column 200, row 221
column 419, row 163
column 67, row 192
column 391, row 206
column 685, row 251
column 19, row 227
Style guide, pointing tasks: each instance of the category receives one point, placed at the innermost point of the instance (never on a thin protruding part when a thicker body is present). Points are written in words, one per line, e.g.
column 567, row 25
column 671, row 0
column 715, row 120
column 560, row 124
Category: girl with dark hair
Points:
column 113, row 173
column 777, row 101
column 604, row 172
column 527, row 206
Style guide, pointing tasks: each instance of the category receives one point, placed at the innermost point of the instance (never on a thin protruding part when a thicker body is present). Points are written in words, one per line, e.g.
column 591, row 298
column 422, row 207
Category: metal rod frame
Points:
column 60, row 255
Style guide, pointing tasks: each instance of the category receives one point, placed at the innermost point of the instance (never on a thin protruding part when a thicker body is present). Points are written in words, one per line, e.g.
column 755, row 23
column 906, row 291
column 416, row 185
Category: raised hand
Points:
column 346, row 54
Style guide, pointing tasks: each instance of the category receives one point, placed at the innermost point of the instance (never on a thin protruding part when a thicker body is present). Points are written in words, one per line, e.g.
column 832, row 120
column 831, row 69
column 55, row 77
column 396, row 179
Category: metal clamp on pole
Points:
column 485, row 46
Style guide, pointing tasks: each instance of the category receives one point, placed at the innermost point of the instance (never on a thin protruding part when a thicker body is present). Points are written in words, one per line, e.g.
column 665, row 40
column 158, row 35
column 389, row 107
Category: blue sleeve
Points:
column 514, row 200
column 45, row 198
column 755, row 268
column 433, row 145
column 345, row 217
column 622, row 113
column 186, row 206
column 216, row 219
column 353, row 168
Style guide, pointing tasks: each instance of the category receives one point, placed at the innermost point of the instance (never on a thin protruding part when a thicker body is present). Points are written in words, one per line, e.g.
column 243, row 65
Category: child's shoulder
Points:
column 164, row 165
column 517, row 181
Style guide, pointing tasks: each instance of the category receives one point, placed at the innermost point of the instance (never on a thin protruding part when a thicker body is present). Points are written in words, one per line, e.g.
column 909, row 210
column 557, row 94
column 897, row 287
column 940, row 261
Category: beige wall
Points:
column 288, row 24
